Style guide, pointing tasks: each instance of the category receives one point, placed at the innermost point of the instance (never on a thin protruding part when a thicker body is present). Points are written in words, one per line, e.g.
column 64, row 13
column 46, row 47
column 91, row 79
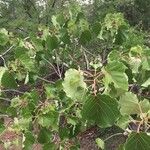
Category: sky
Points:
column 85, row 1
column 41, row 2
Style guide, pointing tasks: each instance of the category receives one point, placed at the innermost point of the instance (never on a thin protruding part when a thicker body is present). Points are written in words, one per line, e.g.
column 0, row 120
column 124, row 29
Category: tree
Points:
column 68, row 74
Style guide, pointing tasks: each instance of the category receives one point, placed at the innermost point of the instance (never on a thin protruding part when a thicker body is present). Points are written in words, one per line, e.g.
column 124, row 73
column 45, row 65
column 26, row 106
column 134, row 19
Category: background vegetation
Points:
column 75, row 75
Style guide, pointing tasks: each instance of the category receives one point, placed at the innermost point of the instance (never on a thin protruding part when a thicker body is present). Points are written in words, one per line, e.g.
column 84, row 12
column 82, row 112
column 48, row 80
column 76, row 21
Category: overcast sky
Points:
column 41, row 2
column 85, row 1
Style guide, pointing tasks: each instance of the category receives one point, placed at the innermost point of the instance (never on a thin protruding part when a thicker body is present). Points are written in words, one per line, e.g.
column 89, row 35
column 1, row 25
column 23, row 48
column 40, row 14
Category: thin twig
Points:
column 87, row 73
column 141, row 110
column 5, row 99
column 62, row 69
column 86, row 60
column 53, row 73
column 7, row 51
column 45, row 80
column 58, row 69
column 117, row 134
column 51, row 65
column 139, row 126
column 73, row 59
column 12, row 90
column 3, row 115
column 27, row 38
column 3, row 60
column 87, row 51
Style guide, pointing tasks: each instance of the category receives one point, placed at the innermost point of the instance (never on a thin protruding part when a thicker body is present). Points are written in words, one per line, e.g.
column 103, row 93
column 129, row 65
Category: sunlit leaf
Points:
column 115, row 73
column 74, row 84
column 123, row 121
column 28, row 62
column 100, row 143
column 146, row 83
column 129, row 104
column 3, row 37
column 49, row 120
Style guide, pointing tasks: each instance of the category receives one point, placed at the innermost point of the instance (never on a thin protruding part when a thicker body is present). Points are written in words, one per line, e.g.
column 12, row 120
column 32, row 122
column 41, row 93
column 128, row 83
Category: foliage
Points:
column 71, row 86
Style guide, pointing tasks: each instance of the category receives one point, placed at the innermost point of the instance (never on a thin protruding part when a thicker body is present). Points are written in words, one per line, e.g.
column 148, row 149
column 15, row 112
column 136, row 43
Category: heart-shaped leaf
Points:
column 138, row 141
column 6, row 79
column 74, row 84
column 129, row 104
column 101, row 109
column 115, row 73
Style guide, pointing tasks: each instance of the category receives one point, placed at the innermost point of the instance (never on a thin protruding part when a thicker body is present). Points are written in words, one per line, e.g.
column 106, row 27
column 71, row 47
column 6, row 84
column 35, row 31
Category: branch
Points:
column 5, row 99
column 7, row 51
column 45, row 80
column 12, row 90
column 86, row 60
column 3, row 63
column 117, row 134
column 51, row 66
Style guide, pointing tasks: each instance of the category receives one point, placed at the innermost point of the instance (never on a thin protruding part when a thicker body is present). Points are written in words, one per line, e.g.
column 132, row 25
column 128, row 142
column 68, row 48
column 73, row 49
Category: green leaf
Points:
column 20, row 51
column 3, row 37
column 34, row 95
column 113, row 21
column 60, row 19
column 146, row 59
column 50, row 91
column 146, row 63
column 96, row 28
column 136, row 50
column 65, row 37
column 84, row 25
column 54, row 21
column 44, row 136
column 122, row 35
column 85, row 37
column 27, row 62
column 2, row 127
column 138, row 141
column 72, row 27
column 101, row 109
column 49, row 120
column 22, row 124
column 50, row 146
column 115, row 73
column 64, row 132
column 129, row 104
column 6, row 79
column 74, row 85
column 2, row 71
column 37, row 43
column 52, row 42
column 121, row 147
column 145, row 105
column 29, row 141
column 113, row 55
column 135, row 63
column 123, row 122
column 100, row 143
column 146, row 83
